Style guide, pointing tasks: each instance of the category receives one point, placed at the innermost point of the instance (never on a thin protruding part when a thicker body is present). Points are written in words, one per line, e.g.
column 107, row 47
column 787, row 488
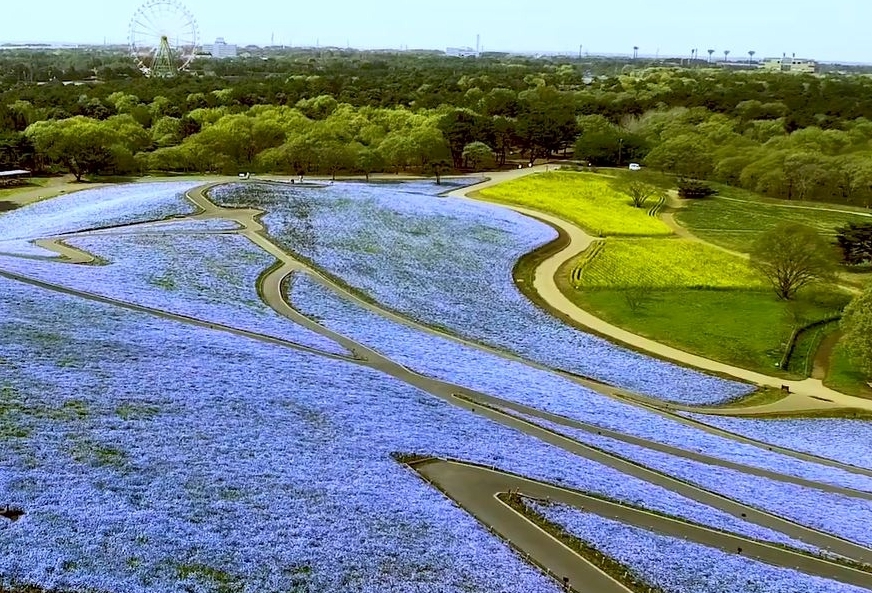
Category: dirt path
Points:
column 676, row 204
column 823, row 355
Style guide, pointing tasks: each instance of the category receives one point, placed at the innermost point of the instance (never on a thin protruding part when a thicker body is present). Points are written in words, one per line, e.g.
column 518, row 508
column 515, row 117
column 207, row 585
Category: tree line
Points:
column 786, row 136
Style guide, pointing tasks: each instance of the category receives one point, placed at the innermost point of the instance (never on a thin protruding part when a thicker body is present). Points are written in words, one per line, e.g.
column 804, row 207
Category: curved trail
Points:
column 271, row 287
column 806, row 395
column 475, row 488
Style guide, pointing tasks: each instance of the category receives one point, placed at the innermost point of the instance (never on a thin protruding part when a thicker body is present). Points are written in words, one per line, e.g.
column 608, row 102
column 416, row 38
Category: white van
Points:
column 635, row 167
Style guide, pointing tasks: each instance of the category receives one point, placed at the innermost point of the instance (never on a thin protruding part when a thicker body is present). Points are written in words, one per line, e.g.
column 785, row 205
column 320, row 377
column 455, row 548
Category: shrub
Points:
column 694, row 189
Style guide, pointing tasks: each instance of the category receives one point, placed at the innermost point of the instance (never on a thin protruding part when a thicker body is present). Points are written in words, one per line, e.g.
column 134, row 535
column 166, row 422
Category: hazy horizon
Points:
column 665, row 28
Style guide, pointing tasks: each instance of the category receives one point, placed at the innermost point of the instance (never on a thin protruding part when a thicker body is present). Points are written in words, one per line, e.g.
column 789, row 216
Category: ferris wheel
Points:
column 163, row 37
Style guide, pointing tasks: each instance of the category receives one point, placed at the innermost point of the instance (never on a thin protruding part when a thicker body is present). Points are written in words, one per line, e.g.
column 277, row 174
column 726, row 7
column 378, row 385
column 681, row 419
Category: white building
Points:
column 461, row 52
column 789, row 64
column 220, row 49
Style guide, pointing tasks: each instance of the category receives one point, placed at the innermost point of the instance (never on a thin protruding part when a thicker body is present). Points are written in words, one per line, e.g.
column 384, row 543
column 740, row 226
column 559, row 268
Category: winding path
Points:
column 810, row 394
column 474, row 487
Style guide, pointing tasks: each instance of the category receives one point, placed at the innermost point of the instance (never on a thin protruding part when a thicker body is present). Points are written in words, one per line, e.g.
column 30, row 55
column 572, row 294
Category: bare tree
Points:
column 638, row 297
column 639, row 190
column 792, row 256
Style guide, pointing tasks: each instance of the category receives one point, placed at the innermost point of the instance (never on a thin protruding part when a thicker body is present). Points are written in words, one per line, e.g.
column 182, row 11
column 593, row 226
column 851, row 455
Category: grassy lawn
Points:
column 745, row 328
column 584, row 199
column 735, row 218
column 8, row 192
column 663, row 263
column 843, row 376
column 679, row 292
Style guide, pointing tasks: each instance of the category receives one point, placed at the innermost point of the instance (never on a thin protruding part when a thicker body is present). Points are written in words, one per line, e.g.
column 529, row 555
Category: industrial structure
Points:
column 789, row 64
column 465, row 52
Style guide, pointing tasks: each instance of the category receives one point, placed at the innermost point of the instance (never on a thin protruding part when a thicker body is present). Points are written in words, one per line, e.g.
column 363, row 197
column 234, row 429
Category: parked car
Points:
column 635, row 167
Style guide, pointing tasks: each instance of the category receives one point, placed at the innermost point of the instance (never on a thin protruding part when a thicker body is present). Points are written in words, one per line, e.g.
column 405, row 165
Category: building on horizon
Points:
column 220, row 49
column 789, row 64
column 461, row 52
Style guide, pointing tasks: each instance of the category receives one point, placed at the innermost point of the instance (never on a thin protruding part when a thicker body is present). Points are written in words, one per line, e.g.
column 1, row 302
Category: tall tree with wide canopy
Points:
column 792, row 256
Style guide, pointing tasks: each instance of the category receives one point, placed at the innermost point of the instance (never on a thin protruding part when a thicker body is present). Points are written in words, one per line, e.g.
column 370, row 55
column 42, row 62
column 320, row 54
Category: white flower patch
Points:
column 679, row 566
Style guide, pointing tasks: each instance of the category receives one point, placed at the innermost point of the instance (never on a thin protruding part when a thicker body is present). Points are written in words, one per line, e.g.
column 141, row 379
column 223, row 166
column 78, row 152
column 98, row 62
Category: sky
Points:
column 836, row 30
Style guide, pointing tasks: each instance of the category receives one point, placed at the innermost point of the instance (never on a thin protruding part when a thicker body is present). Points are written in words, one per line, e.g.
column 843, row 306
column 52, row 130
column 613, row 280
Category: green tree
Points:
column 639, row 190
column 478, row 154
column 503, row 133
column 166, row 131
column 857, row 326
column 855, row 241
column 367, row 160
column 333, row 156
column 546, row 122
column 792, row 256
column 599, row 140
column 398, row 150
column 694, row 189
column 688, row 154
column 79, row 143
column 460, row 127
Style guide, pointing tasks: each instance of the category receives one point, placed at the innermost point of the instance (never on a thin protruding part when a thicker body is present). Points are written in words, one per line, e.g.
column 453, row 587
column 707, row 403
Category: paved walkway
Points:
column 475, row 488
column 809, row 394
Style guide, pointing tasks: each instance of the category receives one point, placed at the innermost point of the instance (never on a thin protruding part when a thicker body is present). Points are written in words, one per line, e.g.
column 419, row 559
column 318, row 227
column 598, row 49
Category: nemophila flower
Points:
column 105, row 206
column 211, row 277
column 465, row 365
column 156, row 455
column 161, row 456
column 521, row 383
column 841, row 439
column 838, row 514
column 664, row 561
column 698, row 441
column 449, row 263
